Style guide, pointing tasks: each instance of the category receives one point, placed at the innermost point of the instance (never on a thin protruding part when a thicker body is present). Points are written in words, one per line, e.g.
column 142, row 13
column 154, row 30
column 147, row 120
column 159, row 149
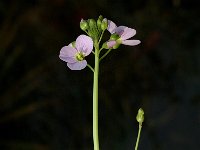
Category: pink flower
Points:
column 75, row 56
column 123, row 32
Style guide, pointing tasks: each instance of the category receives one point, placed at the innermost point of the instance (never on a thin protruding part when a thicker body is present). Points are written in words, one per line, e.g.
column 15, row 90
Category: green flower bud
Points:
column 92, row 23
column 140, row 116
column 105, row 46
column 104, row 24
column 100, row 18
column 116, row 46
column 99, row 21
column 114, row 37
column 93, row 29
column 84, row 25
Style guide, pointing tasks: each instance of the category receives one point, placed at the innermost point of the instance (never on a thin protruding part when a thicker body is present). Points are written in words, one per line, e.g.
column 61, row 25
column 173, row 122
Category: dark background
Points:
column 46, row 106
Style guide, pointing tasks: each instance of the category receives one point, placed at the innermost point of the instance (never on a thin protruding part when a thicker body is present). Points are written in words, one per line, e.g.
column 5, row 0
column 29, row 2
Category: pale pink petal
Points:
column 110, row 44
column 84, row 44
column 125, row 32
column 70, row 45
column 111, row 26
column 67, row 54
column 68, row 59
column 120, row 30
column 131, row 42
column 79, row 65
column 128, row 33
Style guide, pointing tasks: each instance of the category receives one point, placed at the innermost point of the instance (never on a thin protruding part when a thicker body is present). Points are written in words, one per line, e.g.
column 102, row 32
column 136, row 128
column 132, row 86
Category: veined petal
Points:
column 84, row 44
column 79, row 65
column 110, row 44
column 125, row 32
column 131, row 42
column 120, row 30
column 67, row 54
column 128, row 33
column 111, row 26
column 68, row 59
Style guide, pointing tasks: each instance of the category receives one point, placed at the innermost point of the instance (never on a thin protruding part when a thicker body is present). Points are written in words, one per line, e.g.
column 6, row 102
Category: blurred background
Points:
column 46, row 106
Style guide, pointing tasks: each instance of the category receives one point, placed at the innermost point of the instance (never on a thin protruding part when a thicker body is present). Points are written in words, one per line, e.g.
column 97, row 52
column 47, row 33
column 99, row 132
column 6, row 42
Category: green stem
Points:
column 90, row 67
column 138, row 137
column 101, row 37
column 101, row 50
column 95, row 99
column 105, row 54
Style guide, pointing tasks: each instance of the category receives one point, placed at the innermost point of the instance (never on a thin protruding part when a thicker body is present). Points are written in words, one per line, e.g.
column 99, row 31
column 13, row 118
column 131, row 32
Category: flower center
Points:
column 80, row 56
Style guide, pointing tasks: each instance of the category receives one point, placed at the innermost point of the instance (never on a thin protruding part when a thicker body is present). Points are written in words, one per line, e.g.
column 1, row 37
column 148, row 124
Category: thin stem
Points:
column 90, row 67
column 86, row 32
column 101, row 37
column 102, row 57
column 138, row 137
column 101, row 50
column 95, row 99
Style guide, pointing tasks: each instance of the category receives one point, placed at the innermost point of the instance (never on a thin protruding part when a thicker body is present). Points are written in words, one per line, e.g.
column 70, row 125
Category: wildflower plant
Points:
column 75, row 56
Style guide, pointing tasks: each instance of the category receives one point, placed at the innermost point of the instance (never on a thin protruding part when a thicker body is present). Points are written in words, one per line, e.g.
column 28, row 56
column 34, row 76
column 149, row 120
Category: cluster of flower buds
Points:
column 94, row 28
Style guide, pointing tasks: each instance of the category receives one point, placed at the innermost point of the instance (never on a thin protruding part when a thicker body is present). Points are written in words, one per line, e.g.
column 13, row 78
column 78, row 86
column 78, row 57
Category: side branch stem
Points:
column 105, row 54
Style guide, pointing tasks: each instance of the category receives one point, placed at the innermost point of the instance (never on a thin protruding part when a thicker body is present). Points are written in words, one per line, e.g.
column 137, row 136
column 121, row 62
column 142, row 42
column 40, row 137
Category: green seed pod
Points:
column 140, row 116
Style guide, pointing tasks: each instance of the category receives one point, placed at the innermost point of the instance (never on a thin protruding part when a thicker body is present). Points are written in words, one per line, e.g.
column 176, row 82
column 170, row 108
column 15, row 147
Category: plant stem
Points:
column 138, row 137
column 95, row 99
column 90, row 68
column 105, row 54
column 101, row 37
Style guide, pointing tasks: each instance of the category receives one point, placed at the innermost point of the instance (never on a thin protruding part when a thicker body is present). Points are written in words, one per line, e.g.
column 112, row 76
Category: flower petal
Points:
column 67, row 54
column 131, row 42
column 84, row 44
column 111, row 26
column 120, row 30
column 79, row 65
column 125, row 32
column 68, row 59
column 110, row 44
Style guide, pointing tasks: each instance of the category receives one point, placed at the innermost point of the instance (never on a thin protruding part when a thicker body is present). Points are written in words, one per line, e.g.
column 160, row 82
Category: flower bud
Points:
column 92, row 23
column 116, row 46
column 93, row 29
column 104, row 24
column 100, row 17
column 140, row 116
column 105, row 45
column 99, row 21
column 84, row 25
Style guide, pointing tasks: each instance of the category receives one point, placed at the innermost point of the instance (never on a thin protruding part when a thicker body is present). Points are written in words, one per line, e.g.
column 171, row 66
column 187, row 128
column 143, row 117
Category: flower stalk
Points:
column 95, row 99
column 140, row 120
